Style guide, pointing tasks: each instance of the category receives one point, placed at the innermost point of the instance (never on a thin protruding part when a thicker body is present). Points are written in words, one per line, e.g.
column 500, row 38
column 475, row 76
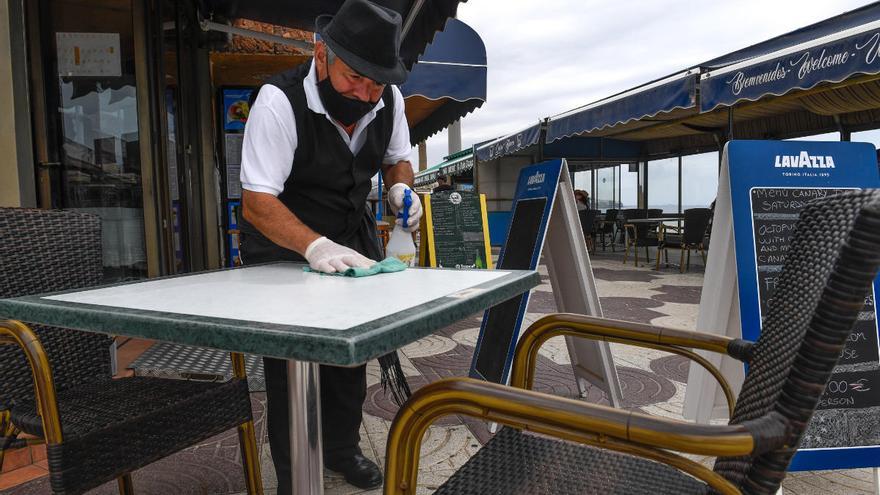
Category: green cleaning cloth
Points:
column 388, row 265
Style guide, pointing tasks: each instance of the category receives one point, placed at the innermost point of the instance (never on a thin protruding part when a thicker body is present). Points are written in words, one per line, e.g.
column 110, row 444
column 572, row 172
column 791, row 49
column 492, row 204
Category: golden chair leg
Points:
column 126, row 487
column 250, row 458
column 7, row 430
column 247, row 438
column 14, row 331
column 681, row 259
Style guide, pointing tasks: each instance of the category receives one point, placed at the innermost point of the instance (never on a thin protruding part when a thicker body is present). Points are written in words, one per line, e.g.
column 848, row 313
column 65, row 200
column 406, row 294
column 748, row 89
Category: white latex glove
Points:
column 326, row 256
column 395, row 199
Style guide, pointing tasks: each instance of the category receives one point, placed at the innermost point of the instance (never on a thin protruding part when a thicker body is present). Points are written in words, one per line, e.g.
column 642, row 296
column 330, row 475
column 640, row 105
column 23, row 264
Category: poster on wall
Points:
column 233, row 165
column 235, row 108
column 88, row 54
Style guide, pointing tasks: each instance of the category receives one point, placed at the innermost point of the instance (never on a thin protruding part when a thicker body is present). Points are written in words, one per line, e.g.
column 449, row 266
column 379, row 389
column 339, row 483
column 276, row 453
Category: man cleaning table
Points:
column 315, row 137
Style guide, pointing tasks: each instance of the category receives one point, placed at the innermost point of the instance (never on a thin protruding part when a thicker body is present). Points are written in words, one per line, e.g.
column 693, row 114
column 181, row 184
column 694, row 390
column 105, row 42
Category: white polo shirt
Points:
column 270, row 135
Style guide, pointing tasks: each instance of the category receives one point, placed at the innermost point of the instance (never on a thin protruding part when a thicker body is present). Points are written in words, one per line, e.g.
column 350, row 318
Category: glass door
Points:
column 178, row 94
column 87, row 52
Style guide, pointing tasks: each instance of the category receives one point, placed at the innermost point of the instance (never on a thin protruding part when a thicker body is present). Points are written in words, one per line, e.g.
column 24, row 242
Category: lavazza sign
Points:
column 804, row 160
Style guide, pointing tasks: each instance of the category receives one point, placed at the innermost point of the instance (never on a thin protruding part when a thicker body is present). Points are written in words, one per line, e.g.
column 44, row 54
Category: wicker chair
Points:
column 96, row 428
column 696, row 221
column 641, row 235
column 608, row 226
column 834, row 258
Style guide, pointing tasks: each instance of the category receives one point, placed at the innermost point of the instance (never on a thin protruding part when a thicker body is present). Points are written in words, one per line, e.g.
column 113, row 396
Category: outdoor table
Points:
column 655, row 220
column 280, row 311
column 658, row 220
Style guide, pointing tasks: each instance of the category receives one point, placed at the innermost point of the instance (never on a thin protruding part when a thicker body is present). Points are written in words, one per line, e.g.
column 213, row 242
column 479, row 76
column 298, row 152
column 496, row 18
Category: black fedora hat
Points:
column 366, row 37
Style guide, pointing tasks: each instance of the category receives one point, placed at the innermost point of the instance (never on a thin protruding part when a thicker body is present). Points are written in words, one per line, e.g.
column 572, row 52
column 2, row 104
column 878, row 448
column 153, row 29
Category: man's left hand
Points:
column 395, row 198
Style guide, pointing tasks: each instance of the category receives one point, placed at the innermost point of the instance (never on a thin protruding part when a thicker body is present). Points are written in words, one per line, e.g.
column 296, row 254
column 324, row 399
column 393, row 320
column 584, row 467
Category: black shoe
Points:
column 358, row 471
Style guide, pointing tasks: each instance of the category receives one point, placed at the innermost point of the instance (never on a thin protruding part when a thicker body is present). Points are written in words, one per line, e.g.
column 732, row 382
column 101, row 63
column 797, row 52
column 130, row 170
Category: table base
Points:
column 306, row 455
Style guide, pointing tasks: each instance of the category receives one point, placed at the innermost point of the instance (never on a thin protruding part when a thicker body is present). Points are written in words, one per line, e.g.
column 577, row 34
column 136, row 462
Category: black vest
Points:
column 328, row 186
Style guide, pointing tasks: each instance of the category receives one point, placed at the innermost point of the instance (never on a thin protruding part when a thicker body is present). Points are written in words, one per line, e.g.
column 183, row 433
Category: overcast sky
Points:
column 547, row 57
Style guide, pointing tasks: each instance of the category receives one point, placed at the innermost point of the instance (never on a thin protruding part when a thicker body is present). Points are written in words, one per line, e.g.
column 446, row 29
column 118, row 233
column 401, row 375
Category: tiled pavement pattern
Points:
column 652, row 382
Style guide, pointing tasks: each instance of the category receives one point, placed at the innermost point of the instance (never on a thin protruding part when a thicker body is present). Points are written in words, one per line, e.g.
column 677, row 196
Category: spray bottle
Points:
column 401, row 244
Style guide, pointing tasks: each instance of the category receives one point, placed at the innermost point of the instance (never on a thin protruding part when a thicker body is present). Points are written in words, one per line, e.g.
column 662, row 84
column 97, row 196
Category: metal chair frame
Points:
column 26, row 339
column 755, row 448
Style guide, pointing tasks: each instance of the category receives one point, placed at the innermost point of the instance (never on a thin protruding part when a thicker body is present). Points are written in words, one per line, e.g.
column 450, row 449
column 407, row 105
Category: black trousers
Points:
column 343, row 390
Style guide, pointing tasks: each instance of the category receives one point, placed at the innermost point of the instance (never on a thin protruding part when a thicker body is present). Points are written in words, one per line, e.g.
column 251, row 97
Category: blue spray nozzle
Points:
column 407, row 202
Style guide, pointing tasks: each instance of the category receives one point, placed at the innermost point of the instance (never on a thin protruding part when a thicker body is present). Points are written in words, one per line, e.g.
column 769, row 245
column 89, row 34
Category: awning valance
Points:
column 832, row 59
column 660, row 96
column 509, row 144
column 421, row 19
column 447, row 83
column 455, row 164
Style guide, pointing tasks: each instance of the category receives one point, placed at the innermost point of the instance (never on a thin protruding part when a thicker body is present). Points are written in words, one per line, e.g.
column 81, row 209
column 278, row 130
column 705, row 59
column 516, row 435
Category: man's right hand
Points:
column 326, row 256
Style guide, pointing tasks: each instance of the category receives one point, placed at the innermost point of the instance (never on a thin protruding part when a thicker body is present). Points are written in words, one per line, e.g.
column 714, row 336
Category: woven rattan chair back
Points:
column 611, row 215
column 629, row 213
column 655, row 213
column 46, row 251
column 609, row 221
column 696, row 220
column 832, row 262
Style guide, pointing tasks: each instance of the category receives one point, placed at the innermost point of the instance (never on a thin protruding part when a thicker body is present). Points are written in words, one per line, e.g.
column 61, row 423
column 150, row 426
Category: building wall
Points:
column 17, row 187
column 9, row 179
column 497, row 180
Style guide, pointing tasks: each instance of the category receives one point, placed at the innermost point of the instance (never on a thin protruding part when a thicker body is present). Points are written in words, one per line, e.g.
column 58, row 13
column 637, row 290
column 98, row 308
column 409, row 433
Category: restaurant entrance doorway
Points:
column 108, row 117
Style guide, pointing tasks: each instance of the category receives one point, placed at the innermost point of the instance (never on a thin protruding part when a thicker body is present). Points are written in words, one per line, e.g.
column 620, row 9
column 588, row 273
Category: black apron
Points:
column 327, row 190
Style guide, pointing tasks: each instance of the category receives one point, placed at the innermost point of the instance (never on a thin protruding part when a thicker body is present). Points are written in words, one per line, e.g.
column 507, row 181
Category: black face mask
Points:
column 345, row 110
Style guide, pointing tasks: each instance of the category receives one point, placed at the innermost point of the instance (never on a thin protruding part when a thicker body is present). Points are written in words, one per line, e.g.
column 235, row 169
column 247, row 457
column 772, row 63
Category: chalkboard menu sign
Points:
column 535, row 195
column 544, row 219
column 457, row 230
column 775, row 212
column 853, row 393
column 763, row 187
column 499, row 331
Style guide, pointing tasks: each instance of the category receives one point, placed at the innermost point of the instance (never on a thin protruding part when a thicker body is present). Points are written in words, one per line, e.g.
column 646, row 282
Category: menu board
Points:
column 855, row 384
column 535, row 195
column 500, row 328
column 770, row 183
column 458, row 233
column 775, row 212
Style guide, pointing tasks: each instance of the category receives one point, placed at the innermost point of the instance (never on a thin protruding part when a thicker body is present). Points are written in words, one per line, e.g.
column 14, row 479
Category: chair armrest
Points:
column 17, row 333
column 672, row 340
column 582, row 422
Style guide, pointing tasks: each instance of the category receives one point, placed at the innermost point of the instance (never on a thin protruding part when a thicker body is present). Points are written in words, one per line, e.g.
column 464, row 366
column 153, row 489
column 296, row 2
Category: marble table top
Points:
column 279, row 310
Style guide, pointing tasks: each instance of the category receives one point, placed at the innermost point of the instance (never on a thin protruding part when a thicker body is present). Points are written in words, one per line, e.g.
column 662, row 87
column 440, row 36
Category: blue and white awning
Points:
column 660, row 96
column 827, row 52
column 449, row 79
column 509, row 144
